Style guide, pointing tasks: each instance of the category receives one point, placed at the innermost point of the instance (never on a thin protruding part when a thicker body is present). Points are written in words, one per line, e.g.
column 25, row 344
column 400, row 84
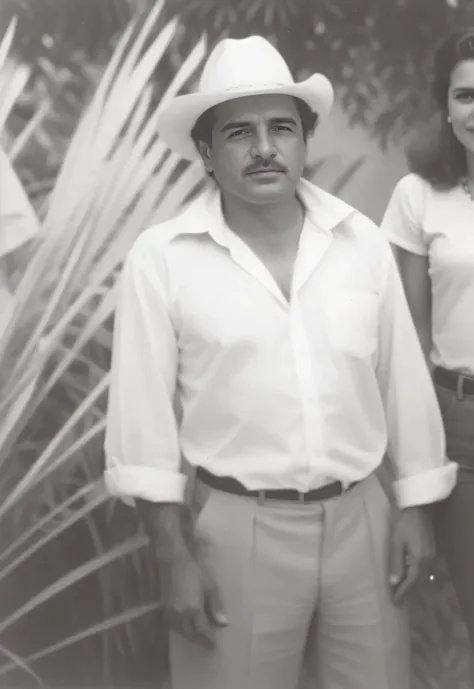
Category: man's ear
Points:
column 205, row 153
column 314, row 126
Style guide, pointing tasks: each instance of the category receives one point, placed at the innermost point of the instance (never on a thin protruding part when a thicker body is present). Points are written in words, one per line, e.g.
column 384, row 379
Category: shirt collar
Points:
column 205, row 216
column 324, row 210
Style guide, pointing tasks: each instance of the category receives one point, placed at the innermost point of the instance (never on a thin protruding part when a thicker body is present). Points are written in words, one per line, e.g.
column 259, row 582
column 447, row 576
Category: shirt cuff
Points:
column 146, row 483
column 427, row 487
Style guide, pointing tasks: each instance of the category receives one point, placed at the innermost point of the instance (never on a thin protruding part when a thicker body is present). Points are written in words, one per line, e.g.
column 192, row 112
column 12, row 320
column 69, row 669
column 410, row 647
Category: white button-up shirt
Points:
column 276, row 393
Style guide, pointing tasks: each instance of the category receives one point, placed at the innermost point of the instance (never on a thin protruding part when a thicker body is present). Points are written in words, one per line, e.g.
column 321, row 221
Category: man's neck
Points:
column 274, row 223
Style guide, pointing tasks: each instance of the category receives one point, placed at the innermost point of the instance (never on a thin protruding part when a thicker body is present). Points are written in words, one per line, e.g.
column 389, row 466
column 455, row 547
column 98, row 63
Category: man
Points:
column 271, row 314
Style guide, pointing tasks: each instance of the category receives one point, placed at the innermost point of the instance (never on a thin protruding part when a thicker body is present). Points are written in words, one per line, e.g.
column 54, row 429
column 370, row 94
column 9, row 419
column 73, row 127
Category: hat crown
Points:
column 240, row 64
column 237, row 68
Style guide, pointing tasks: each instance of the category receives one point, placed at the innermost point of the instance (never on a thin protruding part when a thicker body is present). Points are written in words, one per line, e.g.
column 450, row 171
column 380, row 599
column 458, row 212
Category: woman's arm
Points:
column 414, row 272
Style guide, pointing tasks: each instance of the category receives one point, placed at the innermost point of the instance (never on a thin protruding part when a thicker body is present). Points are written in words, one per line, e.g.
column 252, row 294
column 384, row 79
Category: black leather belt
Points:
column 461, row 385
column 228, row 484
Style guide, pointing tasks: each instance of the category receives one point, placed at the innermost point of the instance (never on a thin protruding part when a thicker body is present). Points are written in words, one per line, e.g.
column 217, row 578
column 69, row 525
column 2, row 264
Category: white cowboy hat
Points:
column 237, row 68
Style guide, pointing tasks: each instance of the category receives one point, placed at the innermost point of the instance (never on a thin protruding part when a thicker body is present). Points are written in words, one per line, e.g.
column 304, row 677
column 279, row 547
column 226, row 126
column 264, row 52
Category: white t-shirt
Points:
column 440, row 225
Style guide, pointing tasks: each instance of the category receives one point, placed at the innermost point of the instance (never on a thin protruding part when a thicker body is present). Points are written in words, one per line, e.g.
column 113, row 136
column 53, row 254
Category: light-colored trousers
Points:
column 301, row 584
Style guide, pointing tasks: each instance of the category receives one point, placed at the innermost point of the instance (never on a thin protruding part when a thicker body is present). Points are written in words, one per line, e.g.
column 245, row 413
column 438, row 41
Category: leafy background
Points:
column 80, row 85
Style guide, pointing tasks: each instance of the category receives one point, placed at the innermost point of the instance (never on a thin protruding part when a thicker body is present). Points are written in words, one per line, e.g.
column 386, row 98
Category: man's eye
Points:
column 237, row 133
column 282, row 128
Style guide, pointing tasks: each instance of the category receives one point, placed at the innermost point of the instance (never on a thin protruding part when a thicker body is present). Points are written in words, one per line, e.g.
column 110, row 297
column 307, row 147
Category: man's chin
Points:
column 270, row 189
column 271, row 194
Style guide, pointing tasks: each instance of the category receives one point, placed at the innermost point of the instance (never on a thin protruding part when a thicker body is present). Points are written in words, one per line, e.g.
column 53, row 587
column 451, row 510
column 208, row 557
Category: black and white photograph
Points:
column 237, row 344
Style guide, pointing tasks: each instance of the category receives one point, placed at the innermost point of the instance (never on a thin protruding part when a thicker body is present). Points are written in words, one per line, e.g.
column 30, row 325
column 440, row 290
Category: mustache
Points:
column 265, row 166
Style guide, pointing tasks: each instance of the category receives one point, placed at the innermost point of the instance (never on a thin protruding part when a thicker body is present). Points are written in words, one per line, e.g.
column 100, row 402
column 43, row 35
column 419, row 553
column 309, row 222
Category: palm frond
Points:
column 99, row 628
column 42, row 524
column 71, row 578
column 17, row 662
column 7, row 42
column 116, row 179
column 94, row 500
column 13, row 76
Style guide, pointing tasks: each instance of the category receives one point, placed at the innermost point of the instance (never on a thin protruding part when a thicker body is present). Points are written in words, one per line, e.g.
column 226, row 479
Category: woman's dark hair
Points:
column 438, row 156
column 202, row 130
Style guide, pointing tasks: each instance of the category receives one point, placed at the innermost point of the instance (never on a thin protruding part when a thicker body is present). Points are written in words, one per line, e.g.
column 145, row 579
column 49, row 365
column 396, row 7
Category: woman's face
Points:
column 461, row 103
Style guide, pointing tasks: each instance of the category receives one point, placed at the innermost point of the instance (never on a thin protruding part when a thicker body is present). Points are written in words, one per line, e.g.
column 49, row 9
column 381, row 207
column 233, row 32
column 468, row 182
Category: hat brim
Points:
column 179, row 116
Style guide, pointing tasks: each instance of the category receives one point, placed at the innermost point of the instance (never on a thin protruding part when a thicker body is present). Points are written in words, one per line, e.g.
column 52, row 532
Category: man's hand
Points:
column 189, row 595
column 411, row 550
column 190, row 599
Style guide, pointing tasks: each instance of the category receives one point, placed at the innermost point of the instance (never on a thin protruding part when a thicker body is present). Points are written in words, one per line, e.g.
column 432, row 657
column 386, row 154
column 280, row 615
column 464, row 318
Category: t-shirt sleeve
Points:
column 402, row 222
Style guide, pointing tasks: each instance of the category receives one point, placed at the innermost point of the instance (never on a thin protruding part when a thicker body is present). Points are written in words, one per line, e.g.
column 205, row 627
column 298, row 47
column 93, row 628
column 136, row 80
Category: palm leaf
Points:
column 18, row 662
column 116, row 179
column 94, row 500
column 43, row 523
column 13, row 85
column 20, row 142
column 99, row 628
column 7, row 42
column 72, row 578
column 38, row 468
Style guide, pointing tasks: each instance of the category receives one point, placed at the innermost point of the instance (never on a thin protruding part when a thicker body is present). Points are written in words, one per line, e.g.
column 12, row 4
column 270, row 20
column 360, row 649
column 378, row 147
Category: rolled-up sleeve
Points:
column 141, row 443
column 416, row 441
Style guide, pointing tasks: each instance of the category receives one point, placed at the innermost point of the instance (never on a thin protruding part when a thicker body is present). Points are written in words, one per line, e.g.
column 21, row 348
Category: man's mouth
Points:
column 265, row 170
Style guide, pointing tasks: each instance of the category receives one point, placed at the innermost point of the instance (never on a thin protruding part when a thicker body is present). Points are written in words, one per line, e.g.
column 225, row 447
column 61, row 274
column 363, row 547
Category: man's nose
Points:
column 264, row 146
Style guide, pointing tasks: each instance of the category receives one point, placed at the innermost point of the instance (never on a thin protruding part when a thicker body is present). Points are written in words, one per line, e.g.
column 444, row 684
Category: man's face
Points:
column 258, row 150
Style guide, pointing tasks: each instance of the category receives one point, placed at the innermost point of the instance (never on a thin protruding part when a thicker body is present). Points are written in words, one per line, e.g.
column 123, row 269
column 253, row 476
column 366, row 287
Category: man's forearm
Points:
column 168, row 526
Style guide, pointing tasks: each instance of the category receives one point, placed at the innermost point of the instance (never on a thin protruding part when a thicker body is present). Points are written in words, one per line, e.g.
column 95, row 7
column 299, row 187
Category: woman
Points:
column 430, row 220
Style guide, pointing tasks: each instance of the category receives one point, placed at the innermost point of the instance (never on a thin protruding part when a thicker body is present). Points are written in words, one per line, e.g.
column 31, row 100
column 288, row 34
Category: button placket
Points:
column 305, row 377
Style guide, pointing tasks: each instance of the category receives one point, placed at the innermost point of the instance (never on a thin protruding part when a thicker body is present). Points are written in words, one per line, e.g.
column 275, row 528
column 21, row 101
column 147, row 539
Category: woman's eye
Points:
column 465, row 96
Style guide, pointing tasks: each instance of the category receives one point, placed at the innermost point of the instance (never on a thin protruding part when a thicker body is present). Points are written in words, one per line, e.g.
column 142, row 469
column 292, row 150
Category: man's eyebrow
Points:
column 235, row 125
column 283, row 120
column 243, row 124
column 463, row 88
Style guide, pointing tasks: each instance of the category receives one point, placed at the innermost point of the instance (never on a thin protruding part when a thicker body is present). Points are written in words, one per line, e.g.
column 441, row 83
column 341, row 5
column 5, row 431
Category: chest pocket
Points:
column 352, row 323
